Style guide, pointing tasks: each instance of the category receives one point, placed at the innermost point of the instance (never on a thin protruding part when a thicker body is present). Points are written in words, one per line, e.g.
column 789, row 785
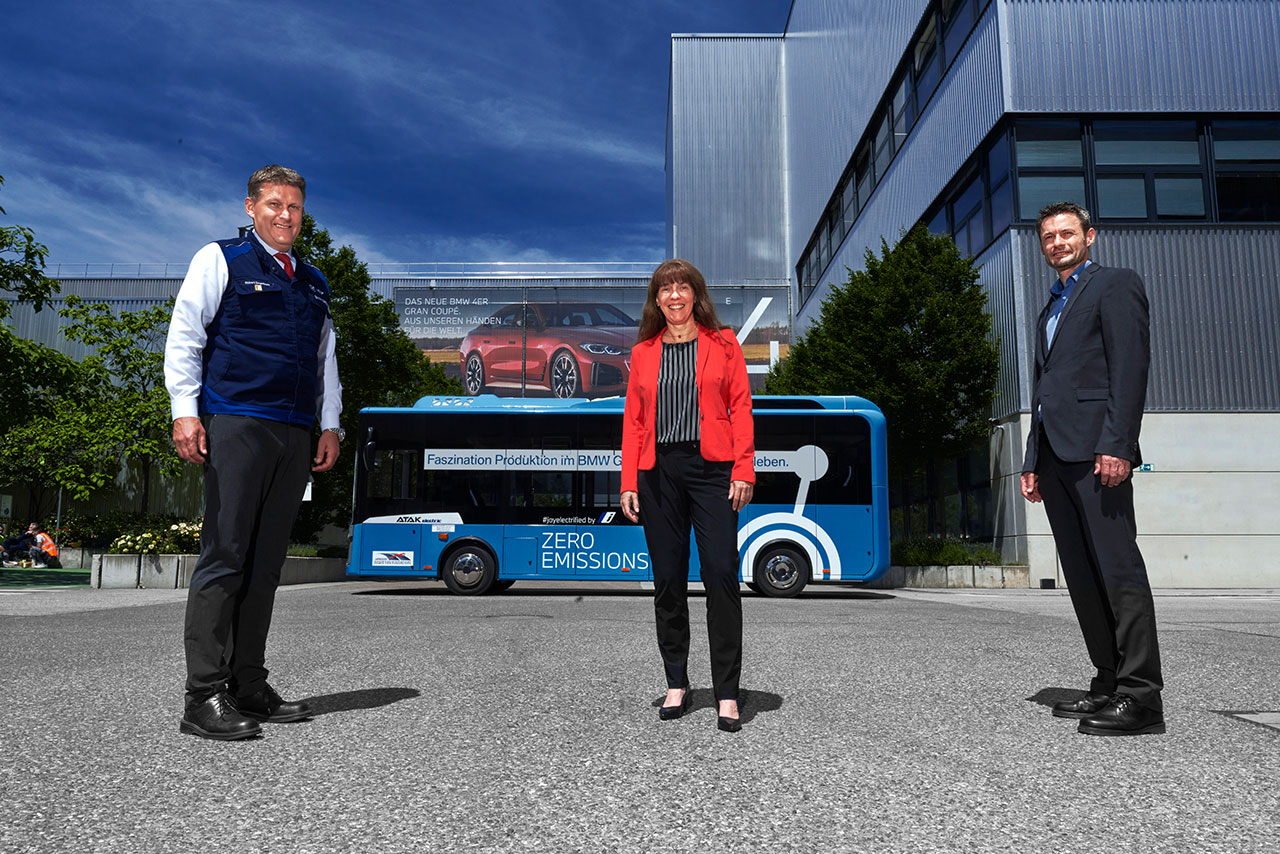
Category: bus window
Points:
column 541, row 489
column 847, row 442
column 394, row 474
column 784, row 432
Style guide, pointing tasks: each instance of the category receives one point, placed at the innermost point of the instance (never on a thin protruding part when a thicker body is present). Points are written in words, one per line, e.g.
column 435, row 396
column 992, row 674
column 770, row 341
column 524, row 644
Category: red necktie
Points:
column 287, row 263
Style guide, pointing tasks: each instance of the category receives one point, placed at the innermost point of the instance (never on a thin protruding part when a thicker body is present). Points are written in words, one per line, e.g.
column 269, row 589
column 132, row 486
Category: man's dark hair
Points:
column 1086, row 221
column 276, row 174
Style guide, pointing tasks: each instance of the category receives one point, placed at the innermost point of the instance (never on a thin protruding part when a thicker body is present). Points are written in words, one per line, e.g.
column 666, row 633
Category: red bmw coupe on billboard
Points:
column 570, row 349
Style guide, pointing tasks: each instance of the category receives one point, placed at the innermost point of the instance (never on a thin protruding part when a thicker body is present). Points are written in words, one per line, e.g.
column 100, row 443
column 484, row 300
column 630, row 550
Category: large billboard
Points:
column 568, row 341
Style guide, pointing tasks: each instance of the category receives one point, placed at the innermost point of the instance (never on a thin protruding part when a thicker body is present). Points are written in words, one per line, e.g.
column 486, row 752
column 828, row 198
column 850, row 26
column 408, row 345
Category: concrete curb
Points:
column 169, row 572
column 983, row 577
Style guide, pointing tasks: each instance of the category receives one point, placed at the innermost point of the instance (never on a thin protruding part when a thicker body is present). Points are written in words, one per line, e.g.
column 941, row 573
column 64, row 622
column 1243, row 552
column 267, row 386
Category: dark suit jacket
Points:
column 1091, row 385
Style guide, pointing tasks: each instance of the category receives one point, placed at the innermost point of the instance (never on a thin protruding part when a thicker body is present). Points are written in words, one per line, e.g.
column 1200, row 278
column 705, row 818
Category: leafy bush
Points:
column 942, row 551
column 163, row 537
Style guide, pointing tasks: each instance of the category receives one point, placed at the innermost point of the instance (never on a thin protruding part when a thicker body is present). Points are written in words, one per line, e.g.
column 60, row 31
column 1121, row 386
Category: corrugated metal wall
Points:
column 1143, row 55
column 967, row 105
column 839, row 56
column 725, row 157
column 1215, row 311
column 997, row 277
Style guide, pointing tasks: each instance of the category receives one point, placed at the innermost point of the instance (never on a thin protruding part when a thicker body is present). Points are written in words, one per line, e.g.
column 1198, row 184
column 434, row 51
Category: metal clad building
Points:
column 725, row 158
column 1162, row 117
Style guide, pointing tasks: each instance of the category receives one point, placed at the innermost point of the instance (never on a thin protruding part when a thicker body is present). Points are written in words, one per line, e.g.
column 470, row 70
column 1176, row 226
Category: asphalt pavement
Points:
column 876, row 721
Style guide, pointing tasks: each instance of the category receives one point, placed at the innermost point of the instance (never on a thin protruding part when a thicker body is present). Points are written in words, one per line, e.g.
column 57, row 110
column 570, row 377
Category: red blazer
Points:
column 724, row 403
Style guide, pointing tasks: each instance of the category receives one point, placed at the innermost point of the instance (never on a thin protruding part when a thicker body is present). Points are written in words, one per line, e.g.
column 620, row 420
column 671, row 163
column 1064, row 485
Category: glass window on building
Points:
column 1036, row 191
column 1146, row 143
column 862, row 173
column 1246, row 158
column 925, row 62
column 938, row 225
column 1122, row 197
column 1179, row 196
column 998, row 181
column 958, row 17
column 1049, row 145
column 884, row 148
column 1050, row 161
column 903, row 114
column 966, row 213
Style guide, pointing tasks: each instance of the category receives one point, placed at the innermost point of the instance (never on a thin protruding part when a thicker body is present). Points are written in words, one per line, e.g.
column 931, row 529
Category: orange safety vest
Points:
column 45, row 543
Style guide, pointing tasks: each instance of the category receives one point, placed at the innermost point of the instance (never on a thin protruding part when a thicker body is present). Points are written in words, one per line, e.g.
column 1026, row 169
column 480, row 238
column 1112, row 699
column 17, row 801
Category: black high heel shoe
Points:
column 729, row 724
column 670, row 713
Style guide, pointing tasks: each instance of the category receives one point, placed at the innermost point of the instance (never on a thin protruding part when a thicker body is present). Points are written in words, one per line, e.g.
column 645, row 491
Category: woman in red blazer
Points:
column 688, row 448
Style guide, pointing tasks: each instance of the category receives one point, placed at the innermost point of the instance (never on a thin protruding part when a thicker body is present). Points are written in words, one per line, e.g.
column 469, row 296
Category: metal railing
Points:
column 388, row 269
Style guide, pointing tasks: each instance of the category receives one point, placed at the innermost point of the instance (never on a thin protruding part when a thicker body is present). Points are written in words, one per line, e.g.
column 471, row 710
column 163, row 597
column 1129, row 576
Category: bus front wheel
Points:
column 470, row 570
column 782, row 571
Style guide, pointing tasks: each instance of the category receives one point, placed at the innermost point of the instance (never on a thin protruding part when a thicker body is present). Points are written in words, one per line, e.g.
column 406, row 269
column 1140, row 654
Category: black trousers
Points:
column 254, row 478
column 1096, row 535
column 681, row 491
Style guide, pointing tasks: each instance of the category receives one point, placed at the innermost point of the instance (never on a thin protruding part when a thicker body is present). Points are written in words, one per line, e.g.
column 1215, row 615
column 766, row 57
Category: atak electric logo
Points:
column 404, row 559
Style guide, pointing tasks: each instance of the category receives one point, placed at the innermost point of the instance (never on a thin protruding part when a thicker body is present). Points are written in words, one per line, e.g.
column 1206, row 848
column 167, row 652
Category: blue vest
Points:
column 262, row 353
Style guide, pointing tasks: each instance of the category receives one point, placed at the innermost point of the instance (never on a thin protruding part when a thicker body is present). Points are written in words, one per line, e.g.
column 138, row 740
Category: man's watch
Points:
column 337, row 431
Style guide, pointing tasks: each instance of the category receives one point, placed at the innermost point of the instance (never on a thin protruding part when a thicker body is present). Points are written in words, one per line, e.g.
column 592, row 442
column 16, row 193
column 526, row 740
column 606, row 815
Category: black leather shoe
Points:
column 1090, row 704
column 266, row 705
column 729, row 724
column 217, row 718
column 1123, row 717
column 670, row 713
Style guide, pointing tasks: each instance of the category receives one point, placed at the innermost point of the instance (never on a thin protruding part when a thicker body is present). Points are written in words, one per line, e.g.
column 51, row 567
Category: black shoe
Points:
column 729, row 724
column 670, row 713
column 1123, row 717
column 266, row 705
column 217, row 718
column 1090, row 704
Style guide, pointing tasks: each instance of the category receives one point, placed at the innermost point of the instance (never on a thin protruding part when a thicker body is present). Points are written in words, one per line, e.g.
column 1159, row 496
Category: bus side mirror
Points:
column 368, row 449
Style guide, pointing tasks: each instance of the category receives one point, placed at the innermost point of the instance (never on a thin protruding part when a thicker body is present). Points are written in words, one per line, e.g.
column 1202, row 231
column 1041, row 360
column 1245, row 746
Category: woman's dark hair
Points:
column 674, row 270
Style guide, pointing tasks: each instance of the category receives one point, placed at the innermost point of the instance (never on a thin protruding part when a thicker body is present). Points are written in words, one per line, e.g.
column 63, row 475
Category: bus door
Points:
column 390, row 538
column 843, row 495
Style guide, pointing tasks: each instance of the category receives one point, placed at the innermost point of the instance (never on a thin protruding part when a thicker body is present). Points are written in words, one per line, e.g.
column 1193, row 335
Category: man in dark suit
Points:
column 1092, row 355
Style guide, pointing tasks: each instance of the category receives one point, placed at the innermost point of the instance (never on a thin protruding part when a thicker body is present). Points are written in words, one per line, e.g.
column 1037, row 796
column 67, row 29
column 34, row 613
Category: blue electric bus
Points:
column 481, row 492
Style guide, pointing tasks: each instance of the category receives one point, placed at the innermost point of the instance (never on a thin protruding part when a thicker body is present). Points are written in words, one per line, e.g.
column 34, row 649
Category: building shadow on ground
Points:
column 368, row 698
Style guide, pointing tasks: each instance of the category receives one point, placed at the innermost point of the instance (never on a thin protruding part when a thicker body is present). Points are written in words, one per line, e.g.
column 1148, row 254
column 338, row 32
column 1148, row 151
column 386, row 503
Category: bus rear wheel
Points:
column 502, row 584
column 781, row 571
column 470, row 570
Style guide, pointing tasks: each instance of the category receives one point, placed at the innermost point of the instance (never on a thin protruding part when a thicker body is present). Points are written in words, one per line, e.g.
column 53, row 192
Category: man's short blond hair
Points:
column 276, row 174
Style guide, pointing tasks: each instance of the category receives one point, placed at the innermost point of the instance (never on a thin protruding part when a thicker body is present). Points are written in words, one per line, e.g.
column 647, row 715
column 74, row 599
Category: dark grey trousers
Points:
column 1096, row 535
column 254, row 478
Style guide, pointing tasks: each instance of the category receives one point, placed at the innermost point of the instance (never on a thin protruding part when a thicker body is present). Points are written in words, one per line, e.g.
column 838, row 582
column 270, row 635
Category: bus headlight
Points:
column 601, row 349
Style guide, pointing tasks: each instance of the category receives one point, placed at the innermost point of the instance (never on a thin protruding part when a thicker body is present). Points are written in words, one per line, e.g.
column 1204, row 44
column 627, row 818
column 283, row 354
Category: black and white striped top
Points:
column 676, row 415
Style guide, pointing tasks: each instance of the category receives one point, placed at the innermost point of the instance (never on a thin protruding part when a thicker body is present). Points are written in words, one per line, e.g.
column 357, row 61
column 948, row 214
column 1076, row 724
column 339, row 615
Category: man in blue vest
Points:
column 249, row 366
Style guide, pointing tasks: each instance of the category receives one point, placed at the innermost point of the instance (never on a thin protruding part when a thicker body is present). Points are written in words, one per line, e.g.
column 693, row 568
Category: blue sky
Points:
column 491, row 130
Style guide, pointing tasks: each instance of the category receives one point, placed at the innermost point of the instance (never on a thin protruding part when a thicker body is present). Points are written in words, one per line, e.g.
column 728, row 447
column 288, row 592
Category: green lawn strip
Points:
column 15, row 576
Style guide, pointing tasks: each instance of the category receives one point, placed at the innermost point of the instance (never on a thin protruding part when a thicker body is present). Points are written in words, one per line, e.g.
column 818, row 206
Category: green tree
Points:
column 22, row 262
column 132, row 403
column 60, row 443
column 377, row 362
column 910, row 333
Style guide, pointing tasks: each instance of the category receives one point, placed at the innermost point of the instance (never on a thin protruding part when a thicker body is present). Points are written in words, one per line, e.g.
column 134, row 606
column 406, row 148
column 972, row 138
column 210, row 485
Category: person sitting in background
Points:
column 17, row 548
column 45, row 550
